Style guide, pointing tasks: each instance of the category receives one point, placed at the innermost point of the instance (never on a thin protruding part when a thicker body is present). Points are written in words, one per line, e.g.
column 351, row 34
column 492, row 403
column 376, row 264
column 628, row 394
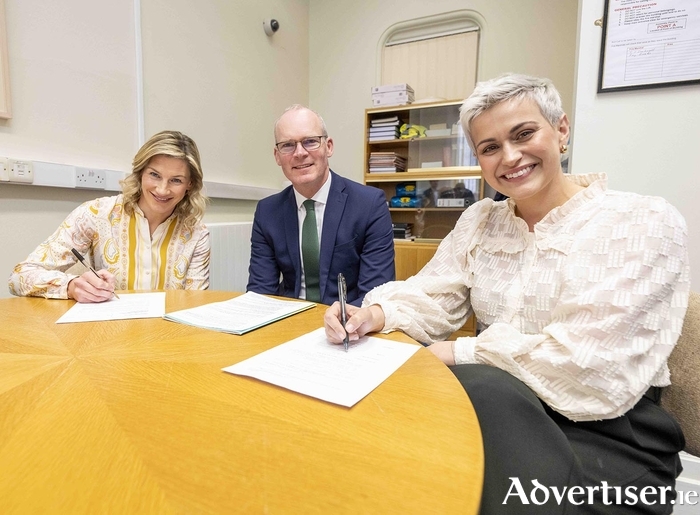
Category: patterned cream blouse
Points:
column 173, row 258
column 585, row 310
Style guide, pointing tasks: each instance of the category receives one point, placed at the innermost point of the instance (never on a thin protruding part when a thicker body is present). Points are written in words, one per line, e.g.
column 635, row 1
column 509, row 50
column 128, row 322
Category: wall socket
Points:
column 90, row 178
column 21, row 171
column 4, row 169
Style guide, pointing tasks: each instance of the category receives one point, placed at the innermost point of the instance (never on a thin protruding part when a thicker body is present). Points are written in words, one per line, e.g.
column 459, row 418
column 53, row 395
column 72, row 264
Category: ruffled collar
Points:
column 553, row 231
column 511, row 233
column 595, row 184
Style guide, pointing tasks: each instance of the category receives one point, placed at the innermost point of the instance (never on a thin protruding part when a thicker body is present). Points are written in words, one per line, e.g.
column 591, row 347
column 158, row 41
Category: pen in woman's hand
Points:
column 80, row 258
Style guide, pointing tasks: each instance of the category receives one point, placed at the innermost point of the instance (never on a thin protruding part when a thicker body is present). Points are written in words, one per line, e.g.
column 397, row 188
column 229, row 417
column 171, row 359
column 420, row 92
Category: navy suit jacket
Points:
column 357, row 239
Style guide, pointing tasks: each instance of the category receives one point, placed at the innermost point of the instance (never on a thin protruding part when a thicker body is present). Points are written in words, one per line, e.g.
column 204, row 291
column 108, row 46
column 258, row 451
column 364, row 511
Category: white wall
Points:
column 72, row 81
column 536, row 37
column 71, row 76
column 646, row 141
column 209, row 70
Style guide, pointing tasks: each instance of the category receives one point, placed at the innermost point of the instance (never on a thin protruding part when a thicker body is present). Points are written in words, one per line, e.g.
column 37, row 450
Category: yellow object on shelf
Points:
column 411, row 130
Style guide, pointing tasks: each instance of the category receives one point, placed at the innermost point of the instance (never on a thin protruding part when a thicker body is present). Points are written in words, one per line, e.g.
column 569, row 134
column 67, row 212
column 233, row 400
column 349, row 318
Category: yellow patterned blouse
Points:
column 173, row 258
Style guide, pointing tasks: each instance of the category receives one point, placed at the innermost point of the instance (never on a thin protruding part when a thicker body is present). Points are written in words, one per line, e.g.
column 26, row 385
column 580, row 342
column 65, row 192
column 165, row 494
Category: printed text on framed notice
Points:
column 649, row 44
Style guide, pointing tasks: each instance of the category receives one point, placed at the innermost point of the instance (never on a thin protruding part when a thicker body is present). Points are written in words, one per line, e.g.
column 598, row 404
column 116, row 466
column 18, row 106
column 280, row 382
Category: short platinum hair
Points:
column 299, row 107
column 511, row 86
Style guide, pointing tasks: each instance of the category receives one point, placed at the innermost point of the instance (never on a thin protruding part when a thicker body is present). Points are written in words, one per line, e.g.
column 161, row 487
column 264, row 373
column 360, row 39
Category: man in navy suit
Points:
column 355, row 235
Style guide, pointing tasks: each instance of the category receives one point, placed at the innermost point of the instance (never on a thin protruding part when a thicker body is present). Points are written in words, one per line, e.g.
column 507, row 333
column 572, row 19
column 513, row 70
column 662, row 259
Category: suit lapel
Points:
column 331, row 221
column 291, row 231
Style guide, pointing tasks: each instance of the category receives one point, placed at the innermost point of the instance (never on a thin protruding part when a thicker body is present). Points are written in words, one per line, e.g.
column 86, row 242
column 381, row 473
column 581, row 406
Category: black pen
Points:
column 85, row 263
column 343, row 297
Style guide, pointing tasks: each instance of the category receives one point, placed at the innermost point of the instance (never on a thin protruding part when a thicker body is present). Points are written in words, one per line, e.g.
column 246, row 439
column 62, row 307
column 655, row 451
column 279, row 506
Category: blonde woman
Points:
column 150, row 237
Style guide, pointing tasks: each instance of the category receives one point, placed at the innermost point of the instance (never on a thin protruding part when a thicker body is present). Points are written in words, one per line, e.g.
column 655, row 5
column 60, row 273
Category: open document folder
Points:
column 315, row 367
column 239, row 315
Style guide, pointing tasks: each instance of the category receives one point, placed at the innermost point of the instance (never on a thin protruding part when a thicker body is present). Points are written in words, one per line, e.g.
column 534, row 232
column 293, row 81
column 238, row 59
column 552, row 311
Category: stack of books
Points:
column 392, row 95
column 402, row 231
column 384, row 129
column 386, row 162
column 383, row 133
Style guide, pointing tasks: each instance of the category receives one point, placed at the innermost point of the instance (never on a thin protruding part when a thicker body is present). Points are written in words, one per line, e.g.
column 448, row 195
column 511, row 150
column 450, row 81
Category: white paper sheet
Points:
column 240, row 314
column 313, row 366
column 128, row 305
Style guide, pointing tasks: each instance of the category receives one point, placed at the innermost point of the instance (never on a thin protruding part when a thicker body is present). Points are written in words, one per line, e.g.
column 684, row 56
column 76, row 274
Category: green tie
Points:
column 310, row 252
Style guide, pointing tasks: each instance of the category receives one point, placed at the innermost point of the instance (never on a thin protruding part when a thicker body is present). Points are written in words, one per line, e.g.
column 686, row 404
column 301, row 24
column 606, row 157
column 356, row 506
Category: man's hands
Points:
column 360, row 322
column 89, row 288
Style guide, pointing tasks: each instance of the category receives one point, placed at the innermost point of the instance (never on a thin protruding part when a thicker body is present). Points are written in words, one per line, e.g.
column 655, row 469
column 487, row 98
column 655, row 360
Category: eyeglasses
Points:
column 310, row 143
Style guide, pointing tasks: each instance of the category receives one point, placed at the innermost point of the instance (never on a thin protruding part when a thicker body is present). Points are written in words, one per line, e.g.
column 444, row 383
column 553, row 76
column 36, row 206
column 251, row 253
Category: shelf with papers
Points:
column 430, row 200
column 435, row 178
column 428, row 178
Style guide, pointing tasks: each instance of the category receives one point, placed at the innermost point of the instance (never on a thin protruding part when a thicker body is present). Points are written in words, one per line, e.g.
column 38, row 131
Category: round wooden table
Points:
column 136, row 416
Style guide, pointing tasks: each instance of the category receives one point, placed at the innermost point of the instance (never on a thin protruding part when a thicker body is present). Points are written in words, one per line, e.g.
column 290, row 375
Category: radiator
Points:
column 230, row 254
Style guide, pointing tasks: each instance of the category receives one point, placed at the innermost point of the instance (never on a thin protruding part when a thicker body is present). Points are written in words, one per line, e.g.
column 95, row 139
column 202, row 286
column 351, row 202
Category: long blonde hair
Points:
column 173, row 144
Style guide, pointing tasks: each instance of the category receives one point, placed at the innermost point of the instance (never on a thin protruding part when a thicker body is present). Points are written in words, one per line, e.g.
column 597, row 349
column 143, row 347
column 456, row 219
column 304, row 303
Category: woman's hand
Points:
column 360, row 322
column 444, row 352
column 89, row 288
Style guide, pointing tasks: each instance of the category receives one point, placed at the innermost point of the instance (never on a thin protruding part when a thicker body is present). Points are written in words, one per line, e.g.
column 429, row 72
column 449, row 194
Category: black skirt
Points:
column 539, row 462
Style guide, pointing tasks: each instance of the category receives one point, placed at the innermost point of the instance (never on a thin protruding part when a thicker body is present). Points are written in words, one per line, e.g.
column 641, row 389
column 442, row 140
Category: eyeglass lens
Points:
column 287, row 147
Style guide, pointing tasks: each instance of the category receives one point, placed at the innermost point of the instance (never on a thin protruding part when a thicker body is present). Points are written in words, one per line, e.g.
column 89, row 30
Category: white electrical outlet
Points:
column 90, row 178
column 21, row 171
column 4, row 169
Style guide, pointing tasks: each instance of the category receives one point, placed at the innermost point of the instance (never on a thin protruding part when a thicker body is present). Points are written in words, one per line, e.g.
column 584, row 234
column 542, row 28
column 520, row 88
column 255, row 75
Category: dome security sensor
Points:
column 270, row 26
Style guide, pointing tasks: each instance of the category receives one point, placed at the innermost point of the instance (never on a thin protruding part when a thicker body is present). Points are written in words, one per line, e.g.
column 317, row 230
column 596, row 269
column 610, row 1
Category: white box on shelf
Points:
column 438, row 132
column 450, row 202
column 392, row 87
column 389, row 94
column 431, row 164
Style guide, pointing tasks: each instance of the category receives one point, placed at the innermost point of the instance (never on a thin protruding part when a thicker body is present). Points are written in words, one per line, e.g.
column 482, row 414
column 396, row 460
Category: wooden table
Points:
column 136, row 416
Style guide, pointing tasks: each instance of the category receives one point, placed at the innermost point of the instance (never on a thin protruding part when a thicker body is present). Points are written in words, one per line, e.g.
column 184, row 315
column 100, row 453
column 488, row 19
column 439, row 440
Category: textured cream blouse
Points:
column 585, row 310
column 173, row 258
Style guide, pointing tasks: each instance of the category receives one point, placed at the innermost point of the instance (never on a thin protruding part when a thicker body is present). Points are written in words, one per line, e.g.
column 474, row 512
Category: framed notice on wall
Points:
column 649, row 43
column 5, row 108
